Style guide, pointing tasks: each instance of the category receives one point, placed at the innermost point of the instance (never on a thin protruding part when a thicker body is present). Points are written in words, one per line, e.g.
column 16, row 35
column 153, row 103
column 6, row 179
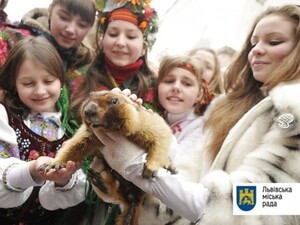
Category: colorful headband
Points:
column 137, row 12
column 123, row 14
column 188, row 67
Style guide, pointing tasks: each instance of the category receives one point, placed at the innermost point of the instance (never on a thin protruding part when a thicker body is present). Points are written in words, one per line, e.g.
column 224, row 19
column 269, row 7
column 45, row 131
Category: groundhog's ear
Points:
column 92, row 93
column 98, row 93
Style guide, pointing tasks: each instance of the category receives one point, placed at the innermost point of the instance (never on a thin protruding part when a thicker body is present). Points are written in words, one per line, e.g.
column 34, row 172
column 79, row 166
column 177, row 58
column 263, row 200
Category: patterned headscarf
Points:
column 137, row 12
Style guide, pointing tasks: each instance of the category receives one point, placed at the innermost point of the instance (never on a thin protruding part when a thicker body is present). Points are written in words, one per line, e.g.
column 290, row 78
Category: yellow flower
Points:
column 102, row 20
column 135, row 2
column 148, row 2
column 143, row 25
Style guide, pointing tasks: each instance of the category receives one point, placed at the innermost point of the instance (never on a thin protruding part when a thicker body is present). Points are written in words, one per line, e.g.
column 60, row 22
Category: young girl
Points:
column 180, row 91
column 127, row 29
column 31, row 134
column 65, row 24
column 252, row 132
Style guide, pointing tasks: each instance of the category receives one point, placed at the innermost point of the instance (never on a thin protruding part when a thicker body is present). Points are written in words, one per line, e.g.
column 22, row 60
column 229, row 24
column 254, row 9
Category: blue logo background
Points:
column 246, row 197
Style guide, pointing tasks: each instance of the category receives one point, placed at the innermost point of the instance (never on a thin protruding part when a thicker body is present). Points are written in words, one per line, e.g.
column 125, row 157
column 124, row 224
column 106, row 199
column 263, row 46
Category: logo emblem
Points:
column 285, row 120
column 246, row 197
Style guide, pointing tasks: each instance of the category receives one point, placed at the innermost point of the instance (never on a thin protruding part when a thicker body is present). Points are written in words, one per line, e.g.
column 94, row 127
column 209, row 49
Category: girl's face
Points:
column 272, row 40
column 209, row 62
column 38, row 89
column 178, row 91
column 123, row 43
column 67, row 29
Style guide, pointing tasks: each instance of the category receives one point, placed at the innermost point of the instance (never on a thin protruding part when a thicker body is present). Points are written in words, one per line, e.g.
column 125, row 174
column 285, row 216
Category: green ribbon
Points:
column 69, row 124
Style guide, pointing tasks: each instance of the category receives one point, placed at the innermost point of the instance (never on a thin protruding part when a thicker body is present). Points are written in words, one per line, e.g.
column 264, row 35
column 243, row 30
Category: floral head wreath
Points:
column 147, row 19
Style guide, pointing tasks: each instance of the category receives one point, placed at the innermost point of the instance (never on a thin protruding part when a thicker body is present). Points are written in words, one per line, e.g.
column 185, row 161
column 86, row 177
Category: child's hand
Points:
column 34, row 167
column 60, row 177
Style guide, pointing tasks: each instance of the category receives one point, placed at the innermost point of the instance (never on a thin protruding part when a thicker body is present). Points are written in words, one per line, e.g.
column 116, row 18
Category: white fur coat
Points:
column 258, row 150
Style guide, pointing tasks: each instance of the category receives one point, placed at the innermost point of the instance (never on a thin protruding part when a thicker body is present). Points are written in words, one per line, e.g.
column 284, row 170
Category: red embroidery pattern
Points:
column 176, row 128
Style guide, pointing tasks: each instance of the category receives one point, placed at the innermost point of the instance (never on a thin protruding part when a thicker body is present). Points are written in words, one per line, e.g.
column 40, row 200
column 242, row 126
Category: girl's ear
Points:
column 145, row 48
column 101, row 44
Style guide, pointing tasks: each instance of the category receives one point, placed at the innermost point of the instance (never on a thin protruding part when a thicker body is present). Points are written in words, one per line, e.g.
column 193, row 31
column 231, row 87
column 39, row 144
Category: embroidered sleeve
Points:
column 5, row 179
column 8, row 150
column 70, row 185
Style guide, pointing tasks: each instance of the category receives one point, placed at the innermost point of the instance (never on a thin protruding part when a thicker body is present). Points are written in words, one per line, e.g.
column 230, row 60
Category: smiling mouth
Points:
column 174, row 99
column 67, row 38
column 120, row 53
column 40, row 100
column 259, row 63
column 258, row 66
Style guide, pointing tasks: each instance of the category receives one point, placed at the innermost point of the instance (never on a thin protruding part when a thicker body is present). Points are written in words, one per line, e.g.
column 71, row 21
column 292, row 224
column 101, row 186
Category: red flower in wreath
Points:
column 148, row 13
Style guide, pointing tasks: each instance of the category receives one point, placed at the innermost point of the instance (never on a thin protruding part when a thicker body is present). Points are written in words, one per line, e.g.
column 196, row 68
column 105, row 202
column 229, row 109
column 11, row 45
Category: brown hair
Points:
column 242, row 89
column 37, row 49
column 84, row 8
column 87, row 11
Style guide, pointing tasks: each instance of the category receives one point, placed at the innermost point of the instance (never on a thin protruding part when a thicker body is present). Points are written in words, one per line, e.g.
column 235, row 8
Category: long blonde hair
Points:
column 242, row 89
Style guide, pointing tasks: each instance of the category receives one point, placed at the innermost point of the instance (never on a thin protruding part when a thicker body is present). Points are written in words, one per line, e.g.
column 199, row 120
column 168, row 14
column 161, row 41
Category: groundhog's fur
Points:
column 113, row 111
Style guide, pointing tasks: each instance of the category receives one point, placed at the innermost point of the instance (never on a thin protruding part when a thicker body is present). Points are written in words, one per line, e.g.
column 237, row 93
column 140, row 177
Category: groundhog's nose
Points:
column 91, row 110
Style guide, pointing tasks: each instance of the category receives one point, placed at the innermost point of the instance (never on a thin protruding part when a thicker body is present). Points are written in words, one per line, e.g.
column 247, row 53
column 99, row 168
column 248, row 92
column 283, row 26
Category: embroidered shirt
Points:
column 30, row 145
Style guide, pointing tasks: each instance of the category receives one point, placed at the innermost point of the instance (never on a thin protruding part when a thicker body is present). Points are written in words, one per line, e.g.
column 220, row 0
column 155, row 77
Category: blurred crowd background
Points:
column 185, row 24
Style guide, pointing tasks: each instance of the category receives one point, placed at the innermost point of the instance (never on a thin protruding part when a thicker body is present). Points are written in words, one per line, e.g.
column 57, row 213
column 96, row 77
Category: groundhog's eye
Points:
column 114, row 101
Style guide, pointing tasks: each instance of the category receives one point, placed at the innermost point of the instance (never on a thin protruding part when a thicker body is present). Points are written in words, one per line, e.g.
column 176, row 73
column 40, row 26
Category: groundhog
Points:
column 112, row 111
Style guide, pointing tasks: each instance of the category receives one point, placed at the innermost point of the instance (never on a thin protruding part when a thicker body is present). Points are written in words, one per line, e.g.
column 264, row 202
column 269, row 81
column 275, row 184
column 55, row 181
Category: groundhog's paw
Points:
column 171, row 168
column 104, row 181
column 151, row 168
column 97, row 180
column 43, row 167
column 150, row 171
column 54, row 165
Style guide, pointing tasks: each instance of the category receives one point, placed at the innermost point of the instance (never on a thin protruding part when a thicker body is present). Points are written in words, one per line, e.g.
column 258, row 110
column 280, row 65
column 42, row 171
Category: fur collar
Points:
column 285, row 96
column 286, row 102
column 282, row 98
column 37, row 18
